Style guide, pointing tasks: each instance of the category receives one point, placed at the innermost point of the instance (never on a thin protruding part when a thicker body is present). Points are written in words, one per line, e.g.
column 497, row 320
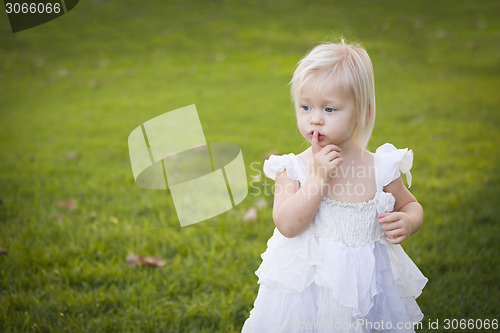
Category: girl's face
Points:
column 329, row 111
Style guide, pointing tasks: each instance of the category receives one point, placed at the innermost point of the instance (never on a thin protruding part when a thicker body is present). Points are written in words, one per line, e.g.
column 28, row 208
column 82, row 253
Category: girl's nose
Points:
column 316, row 119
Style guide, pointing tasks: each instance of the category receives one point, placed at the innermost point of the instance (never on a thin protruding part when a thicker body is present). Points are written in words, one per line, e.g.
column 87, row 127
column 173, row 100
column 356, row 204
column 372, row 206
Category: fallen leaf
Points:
column 436, row 137
column 69, row 204
column 142, row 261
column 250, row 215
column 94, row 84
column 261, row 203
column 62, row 72
column 472, row 45
column 131, row 71
column 441, row 247
column 3, row 251
column 218, row 57
column 73, row 155
column 131, row 259
column 102, row 63
column 40, row 62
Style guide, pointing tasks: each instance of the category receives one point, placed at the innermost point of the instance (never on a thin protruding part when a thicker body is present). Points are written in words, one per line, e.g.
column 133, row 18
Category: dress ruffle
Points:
column 296, row 256
column 374, row 282
column 385, row 202
column 293, row 166
column 390, row 161
column 408, row 278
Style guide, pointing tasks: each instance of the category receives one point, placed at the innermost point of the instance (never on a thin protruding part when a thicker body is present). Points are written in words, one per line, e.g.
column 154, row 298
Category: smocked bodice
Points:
column 352, row 223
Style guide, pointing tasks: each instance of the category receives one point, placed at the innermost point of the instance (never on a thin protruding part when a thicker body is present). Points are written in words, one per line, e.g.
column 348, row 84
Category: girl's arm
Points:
column 407, row 216
column 294, row 206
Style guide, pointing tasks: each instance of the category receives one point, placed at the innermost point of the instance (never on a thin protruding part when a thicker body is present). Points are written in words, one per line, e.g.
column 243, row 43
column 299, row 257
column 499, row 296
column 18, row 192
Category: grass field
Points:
column 73, row 89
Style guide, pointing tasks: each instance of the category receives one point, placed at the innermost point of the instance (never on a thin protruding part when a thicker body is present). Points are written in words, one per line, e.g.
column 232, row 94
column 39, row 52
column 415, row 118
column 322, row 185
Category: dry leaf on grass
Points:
column 261, row 203
column 250, row 215
column 69, row 204
column 94, row 84
column 141, row 261
column 73, row 155
column 3, row 251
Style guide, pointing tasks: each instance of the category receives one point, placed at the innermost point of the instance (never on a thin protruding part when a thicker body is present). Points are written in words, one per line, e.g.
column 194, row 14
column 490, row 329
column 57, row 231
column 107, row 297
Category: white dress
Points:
column 340, row 274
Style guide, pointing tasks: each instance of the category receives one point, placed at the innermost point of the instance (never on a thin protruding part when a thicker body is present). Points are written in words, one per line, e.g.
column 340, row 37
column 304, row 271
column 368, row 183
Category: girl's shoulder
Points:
column 390, row 162
column 305, row 156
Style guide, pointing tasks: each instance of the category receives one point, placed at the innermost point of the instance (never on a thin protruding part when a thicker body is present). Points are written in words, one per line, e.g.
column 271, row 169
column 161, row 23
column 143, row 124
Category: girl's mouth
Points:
column 320, row 136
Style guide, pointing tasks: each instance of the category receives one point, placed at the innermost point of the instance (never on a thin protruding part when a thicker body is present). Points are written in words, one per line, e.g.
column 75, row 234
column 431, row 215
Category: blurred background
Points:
column 72, row 90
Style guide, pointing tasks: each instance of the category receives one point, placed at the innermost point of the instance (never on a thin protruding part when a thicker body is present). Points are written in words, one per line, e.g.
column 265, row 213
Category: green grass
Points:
column 83, row 82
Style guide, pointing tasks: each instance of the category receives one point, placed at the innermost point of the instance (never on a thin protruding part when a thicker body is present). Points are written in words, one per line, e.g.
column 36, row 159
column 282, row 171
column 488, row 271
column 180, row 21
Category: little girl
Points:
column 334, row 263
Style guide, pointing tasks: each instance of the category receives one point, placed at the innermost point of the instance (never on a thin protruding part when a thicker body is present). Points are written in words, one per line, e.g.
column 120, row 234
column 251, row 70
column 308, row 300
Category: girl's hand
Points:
column 325, row 159
column 397, row 226
column 407, row 216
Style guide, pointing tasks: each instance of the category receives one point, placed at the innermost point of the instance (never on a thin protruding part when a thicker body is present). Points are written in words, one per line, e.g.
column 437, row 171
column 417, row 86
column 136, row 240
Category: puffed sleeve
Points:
column 391, row 161
column 292, row 164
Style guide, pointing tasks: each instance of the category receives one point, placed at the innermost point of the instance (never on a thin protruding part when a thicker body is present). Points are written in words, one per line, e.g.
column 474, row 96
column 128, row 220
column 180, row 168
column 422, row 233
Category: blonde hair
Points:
column 351, row 68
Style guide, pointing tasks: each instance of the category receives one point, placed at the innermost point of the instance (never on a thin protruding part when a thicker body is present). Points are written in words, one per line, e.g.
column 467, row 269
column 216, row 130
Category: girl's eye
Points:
column 329, row 109
column 306, row 108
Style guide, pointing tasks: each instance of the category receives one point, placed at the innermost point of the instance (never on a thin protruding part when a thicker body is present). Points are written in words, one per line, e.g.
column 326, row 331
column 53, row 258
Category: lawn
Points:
column 73, row 89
